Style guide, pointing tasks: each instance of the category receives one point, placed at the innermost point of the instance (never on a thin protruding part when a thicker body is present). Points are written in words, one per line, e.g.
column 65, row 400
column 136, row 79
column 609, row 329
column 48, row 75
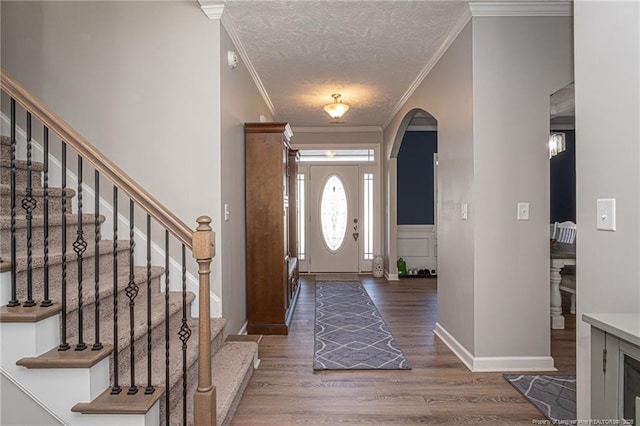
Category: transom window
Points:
column 336, row 155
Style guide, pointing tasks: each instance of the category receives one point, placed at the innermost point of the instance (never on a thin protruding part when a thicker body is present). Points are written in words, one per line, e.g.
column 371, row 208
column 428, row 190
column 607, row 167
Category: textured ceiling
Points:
column 369, row 51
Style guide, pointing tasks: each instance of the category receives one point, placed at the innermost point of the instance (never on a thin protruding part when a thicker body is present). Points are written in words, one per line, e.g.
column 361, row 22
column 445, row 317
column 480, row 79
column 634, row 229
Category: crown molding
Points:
column 337, row 129
column 521, row 8
column 463, row 20
column 216, row 11
column 210, row 9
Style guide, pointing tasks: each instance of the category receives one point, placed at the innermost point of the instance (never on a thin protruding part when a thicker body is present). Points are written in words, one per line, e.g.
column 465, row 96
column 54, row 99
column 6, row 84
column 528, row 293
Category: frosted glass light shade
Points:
column 337, row 108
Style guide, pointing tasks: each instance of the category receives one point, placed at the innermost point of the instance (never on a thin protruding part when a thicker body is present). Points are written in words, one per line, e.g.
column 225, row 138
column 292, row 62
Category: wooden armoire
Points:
column 272, row 262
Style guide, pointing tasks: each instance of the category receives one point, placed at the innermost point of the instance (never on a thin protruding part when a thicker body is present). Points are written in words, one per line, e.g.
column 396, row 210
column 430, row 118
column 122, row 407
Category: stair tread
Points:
column 37, row 220
column 175, row 356
column 36, row 166
column 106, row 287
column 122, row 403
column 237, row 358
column 67, row 359
column 36, row 192
column 55, row 254
column 22, row 314
column 140, row 326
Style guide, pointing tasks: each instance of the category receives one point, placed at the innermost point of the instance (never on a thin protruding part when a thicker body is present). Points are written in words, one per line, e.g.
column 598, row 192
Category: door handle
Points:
column 356, row 234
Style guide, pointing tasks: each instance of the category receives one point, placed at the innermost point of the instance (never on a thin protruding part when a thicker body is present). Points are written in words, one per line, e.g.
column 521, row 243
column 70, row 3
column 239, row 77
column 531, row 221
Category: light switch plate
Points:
column 523, row 211
column 464, row 211
column 227, row 214
column 606, row 214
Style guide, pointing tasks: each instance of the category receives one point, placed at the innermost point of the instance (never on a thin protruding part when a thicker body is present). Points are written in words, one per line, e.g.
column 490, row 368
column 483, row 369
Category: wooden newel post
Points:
column 204, row 402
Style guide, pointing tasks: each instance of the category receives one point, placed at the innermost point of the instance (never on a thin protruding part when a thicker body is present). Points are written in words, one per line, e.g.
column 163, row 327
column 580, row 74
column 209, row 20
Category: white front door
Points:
column 335, row 225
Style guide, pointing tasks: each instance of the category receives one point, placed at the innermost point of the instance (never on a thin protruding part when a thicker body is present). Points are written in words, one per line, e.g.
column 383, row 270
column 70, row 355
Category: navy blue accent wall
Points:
column 415, row 178
column 563, row 181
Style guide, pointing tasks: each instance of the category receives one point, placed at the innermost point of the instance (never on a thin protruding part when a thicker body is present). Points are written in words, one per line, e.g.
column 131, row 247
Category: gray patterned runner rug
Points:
column 554, row 396
column 350, row 334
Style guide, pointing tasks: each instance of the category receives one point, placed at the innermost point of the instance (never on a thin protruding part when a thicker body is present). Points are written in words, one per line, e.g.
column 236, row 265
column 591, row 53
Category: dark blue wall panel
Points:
column 563, row 181
column 415, row 178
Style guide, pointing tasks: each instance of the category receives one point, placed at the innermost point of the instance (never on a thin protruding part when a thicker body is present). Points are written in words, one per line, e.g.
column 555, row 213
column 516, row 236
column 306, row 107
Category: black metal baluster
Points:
column 116, row 389
column 80, row 246
column 132, row 292
column 64, row 345
column 149, row 390
column 97, row 345
column 29, row 204
column 185, row 333
column 14, row 293
column 166, row 325
column 45, row 188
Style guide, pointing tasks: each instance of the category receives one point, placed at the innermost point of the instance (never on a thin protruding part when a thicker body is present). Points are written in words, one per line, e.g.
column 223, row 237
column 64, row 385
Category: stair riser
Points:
column 37, row 237
column 175, row 398
column 140, row 350
column 175, row 392
column 21, row 177
column 5, row 150
column 55, row 275
column 55, row 204
column 106, row 310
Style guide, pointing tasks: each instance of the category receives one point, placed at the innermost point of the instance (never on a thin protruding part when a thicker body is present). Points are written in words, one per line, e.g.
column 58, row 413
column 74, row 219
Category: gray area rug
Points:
column 554, row 396
column 350, row 334
column 338, row 276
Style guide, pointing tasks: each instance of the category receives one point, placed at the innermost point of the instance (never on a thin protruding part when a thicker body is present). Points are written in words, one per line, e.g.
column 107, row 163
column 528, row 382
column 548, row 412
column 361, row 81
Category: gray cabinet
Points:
column 615, row 366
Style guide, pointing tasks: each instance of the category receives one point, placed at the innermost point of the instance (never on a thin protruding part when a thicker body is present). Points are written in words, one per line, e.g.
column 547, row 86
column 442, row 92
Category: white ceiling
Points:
column 371, row 52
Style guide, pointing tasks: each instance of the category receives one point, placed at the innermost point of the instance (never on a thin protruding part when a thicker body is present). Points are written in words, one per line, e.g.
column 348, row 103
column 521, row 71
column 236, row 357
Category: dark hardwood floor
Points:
column 438, row 389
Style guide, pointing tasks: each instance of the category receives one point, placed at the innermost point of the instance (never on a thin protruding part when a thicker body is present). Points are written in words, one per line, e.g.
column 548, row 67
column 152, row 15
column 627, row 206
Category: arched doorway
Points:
column 412, row 195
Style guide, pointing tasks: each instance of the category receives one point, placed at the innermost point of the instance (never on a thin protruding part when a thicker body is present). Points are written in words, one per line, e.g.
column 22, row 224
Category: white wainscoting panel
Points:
column 418, row 245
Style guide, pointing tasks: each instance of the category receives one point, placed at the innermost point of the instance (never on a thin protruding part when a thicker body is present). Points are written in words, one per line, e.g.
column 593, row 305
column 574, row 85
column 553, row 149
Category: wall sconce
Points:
column 557, row 144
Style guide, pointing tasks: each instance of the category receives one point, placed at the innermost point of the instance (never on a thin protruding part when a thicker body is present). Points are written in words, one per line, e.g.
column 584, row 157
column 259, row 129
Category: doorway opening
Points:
column 417, row 197
column 562, row 205
column 338, row 209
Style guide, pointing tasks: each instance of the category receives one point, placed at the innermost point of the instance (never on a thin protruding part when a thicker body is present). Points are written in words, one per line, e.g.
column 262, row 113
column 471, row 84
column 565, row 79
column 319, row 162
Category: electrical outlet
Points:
column 464, row 211
column 226, row 213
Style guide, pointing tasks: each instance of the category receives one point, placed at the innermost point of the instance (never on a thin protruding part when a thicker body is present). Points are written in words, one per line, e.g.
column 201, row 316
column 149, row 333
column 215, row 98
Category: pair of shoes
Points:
column 424, row 272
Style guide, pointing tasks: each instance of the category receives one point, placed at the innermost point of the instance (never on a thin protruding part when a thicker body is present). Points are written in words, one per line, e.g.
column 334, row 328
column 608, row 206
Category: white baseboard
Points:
column 513, row 363
column 493, row 364
column 243, row 329
column 106, row 209
column 391, row 277
column 456, row 347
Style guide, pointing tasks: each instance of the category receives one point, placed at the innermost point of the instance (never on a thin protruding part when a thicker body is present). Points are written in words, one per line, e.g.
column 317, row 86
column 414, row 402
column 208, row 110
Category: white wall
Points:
column 307, row 136
column 137, row 79
column 607, row 63
column 490, row 95
column 18, row 409
column 517, row 63
column 446, row 93
column 241, row 102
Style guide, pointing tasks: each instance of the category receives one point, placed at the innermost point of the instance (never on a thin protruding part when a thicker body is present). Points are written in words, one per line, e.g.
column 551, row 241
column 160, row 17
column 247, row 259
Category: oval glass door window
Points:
column 333, row 213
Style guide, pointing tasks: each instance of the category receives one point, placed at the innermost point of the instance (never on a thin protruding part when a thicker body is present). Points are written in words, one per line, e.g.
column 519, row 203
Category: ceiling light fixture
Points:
column 337, row 108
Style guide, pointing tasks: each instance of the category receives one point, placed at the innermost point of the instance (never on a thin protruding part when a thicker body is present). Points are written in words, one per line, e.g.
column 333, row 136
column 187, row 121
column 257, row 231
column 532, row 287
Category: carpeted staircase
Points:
column 232, row 361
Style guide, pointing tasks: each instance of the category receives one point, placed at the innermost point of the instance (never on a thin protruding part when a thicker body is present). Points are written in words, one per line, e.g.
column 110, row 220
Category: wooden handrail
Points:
column 98, row 160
